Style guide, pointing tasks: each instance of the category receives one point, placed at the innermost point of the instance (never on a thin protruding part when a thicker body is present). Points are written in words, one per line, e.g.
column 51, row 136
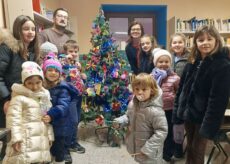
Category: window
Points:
column 119, row 23
column 153, row 18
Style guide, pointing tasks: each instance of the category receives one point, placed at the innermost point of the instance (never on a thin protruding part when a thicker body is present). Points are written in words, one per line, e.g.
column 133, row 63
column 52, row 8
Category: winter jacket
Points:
column 179, row 65
column 10, row 67
column 64, row 99
column 71, row 74
column 203, row 93
column 147, row 128
column 146, row 63
column 131, row 53
column 169, row 87
column 24, row 120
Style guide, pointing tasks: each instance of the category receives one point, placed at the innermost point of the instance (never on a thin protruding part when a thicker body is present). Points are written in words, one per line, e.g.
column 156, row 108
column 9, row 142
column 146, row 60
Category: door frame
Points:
column 160, row 12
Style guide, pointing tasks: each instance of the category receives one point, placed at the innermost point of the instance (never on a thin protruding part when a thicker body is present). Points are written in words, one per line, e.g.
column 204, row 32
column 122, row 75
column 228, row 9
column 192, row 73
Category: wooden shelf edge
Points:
column 42, row 19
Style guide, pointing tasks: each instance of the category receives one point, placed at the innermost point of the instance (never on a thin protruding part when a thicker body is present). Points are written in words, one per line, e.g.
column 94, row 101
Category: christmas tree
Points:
column 107, row 95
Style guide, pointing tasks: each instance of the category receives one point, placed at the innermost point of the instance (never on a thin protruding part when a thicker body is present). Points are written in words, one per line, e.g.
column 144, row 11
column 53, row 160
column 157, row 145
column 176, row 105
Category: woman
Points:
column 133, row 48
column 15, row 50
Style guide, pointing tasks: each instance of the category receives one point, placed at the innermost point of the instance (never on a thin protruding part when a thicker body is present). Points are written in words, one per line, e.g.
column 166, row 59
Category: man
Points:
column 56, row 34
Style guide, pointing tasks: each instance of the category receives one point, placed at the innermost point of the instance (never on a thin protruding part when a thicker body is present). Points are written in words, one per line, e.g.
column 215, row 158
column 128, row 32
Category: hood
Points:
column 72, row 90
column 7, row 38
column 20, row 89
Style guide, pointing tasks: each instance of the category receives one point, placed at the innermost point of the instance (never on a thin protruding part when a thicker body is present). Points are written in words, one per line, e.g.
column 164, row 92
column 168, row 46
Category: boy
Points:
column 71, row 73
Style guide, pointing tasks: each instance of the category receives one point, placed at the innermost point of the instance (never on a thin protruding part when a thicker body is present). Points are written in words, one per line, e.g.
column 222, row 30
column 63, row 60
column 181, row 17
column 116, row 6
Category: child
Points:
column 169, row 83
column 203, row 93
column 31, row 136
column 64, row 98
column 71, row 66
column 73, row 75
column 180, row 55
column 147, row 125
column 148, row 43
column 47, row 48
column 179, row 51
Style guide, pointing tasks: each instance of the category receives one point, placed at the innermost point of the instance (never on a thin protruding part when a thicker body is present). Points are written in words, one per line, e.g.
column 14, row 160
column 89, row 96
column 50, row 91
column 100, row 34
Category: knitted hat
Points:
column 52, row 63
column 47, row 47
column 50, row 55
column 160, row 53
column 30, row 68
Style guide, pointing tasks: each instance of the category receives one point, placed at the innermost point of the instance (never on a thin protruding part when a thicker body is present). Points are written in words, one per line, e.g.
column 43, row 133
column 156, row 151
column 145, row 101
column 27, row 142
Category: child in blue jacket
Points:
column 64, row 96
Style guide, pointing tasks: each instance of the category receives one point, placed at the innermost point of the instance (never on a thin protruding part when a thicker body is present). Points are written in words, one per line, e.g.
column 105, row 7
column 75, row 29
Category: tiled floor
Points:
column 104, row 154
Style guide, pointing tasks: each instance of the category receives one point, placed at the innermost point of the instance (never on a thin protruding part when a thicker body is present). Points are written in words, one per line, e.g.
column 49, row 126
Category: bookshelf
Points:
column 189, row 26
column 43, row 22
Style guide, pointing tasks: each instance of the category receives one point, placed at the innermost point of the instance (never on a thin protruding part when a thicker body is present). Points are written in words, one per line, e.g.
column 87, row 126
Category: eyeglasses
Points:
column 135, row 29
column 62, row 16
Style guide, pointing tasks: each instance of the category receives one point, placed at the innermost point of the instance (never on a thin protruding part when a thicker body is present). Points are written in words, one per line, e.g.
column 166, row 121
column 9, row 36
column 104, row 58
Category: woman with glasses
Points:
column 133, row 49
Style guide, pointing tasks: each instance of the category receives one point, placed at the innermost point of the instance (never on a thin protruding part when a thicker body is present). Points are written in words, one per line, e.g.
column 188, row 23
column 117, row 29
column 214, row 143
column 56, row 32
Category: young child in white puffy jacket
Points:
column 146, row 121
column 31, row 135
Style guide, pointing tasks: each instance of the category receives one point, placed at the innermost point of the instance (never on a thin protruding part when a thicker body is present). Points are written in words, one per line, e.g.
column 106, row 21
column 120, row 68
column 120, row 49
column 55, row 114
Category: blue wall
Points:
column 159, row 10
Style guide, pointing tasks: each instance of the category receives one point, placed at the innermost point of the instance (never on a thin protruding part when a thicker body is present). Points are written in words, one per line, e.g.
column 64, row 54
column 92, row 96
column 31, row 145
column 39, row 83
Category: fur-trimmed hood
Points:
column 7, row 38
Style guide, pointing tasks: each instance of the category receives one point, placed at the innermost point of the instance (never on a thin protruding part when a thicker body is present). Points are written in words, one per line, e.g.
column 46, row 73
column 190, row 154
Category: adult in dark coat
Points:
column 14, row 50
column 203, row 92
column 133, row 48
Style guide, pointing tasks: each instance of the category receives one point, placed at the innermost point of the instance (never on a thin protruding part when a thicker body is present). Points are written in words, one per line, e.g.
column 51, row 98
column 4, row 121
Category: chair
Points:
column 223, row 136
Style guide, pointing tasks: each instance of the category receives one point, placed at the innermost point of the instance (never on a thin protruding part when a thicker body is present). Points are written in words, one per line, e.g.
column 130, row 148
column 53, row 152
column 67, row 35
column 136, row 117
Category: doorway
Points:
column 153, row 18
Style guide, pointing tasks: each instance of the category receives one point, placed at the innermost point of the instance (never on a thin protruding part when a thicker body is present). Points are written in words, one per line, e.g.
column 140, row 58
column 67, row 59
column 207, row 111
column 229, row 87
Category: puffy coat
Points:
column 169, row 87
column 203, row 93
column 147, row 129
column 24, row 119
column 64, row 110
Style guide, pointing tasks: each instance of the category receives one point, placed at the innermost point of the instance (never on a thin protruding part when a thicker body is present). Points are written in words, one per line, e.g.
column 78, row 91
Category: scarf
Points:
column 159, row 74
column 138, row 51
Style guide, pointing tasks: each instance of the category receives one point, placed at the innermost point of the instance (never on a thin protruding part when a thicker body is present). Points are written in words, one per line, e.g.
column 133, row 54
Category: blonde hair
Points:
column 144, row 80
column 206, row 29
column 183, row 37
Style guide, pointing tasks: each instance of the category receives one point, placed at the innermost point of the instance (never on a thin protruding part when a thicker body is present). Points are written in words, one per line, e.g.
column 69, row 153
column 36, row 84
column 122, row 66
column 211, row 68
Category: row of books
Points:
column 192, row 24
column 189, row 41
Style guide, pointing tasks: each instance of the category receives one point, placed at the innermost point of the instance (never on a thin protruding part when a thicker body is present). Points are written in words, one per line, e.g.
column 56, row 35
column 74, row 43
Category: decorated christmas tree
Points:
column 107, row 95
